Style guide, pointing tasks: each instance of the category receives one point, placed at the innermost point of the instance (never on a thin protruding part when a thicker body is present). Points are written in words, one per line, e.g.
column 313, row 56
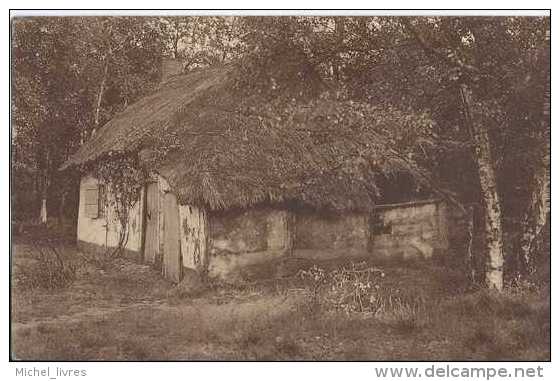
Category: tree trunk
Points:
column 176, row 44
column 470, row 260
column 44, row 184
column 535, row 217
column 44, row 209
column 337, row 62
column 61, row 207
column 487, row 176
column 100, row 96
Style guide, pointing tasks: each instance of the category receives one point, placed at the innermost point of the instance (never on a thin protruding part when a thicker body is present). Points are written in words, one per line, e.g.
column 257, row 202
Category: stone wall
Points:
column 322, row 235
column 409, row 230
column 244, row 238
column 457, row 229
column 238, row 232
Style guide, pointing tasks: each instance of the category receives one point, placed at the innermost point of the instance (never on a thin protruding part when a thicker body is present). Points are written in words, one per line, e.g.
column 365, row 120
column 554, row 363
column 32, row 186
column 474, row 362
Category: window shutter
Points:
column 92, row 202
column 101, row 201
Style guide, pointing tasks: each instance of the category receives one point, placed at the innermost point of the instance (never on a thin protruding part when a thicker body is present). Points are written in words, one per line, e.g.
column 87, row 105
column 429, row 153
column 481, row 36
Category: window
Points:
column 95, row 201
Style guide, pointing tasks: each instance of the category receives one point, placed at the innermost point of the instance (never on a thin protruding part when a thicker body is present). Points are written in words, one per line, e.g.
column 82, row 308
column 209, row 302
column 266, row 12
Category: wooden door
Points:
column 151, row 243
column 171, row 241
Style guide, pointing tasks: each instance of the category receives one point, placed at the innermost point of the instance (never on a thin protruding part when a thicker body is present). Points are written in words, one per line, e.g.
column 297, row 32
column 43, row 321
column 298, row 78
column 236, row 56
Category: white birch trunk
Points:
column 492, row 209
column 100, row 97
column 535, row 216
column 45, row 187
column 44, row 210
column 470, row 261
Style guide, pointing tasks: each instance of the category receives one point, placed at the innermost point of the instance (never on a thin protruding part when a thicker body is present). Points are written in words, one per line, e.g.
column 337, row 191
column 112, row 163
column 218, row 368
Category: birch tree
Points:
column 538, row 207
column 493, row 64
column 488, row 184
column 70, row 76
column 467, row 72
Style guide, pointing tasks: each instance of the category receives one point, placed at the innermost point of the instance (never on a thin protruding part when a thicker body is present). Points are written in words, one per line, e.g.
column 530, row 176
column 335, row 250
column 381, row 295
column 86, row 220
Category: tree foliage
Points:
column 71, row 75
column 201, row 41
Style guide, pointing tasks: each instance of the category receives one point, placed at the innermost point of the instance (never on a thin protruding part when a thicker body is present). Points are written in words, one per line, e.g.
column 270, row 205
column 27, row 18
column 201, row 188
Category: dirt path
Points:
column 89, row 314
column 198, row 307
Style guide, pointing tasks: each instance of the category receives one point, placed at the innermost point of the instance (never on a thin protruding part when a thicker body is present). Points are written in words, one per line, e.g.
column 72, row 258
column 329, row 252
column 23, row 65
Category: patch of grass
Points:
column 496, row 326
column 404, row 316
column 420, row 316
column 279, row 329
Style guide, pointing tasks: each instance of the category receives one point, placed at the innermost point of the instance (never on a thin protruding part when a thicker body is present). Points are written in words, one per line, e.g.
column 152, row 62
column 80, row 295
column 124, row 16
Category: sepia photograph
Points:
column 343, row 186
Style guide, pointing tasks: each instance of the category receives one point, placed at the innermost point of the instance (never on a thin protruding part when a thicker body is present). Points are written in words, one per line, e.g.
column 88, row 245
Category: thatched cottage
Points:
column 225, row 193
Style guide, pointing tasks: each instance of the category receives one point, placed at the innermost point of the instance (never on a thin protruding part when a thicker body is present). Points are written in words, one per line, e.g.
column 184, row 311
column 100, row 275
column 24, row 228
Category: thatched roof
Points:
column 150, row 115
column 220, row 151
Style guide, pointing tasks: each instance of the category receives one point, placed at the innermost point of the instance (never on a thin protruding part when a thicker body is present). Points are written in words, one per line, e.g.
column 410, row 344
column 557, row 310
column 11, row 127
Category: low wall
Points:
column 409, row 230
column 421, row 229
column 323, row 236
column 457, row 229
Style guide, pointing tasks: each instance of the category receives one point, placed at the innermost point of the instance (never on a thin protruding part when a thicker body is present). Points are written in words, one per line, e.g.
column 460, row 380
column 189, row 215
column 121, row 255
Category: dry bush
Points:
column 356, row 289
column 351, row 288
column 49, row 269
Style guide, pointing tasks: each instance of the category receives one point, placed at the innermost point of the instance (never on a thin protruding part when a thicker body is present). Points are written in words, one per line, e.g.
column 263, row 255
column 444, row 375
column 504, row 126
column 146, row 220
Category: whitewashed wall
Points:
column 194, row 235
column 103, row 231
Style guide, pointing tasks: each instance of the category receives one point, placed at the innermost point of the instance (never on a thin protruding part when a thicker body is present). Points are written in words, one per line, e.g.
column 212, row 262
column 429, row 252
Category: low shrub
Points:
column 353, row 288
column 48, row 270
